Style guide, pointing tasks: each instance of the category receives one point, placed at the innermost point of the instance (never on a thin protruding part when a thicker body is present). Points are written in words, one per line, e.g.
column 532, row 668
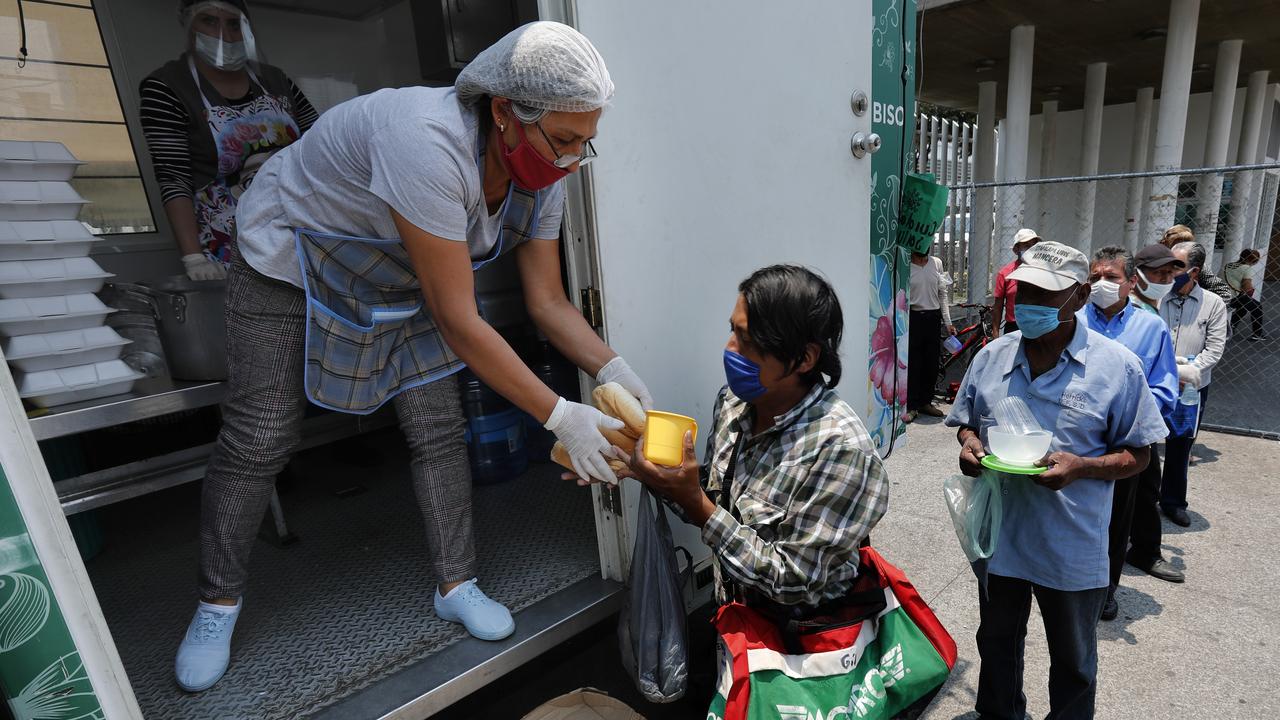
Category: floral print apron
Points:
column 245, row 137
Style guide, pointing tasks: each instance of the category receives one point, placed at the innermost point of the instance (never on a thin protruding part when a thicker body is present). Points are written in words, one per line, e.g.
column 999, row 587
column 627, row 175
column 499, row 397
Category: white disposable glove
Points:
column 1188, row 374
column 200, row 267
column 617, row 370
column 577, row 427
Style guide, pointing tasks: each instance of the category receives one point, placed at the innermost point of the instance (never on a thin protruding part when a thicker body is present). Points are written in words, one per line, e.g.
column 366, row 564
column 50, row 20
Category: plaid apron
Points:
column 369, row 336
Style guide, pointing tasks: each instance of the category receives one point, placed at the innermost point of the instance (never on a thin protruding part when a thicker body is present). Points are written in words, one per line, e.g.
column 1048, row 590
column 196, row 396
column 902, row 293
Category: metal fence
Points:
column 1229, row 209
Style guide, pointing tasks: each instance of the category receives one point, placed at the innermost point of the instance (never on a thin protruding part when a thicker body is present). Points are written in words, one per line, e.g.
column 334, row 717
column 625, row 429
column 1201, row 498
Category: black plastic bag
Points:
column 652, row 628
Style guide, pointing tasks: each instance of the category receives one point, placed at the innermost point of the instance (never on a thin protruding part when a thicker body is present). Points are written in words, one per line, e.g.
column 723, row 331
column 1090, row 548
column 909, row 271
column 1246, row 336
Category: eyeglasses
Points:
column 566, row 160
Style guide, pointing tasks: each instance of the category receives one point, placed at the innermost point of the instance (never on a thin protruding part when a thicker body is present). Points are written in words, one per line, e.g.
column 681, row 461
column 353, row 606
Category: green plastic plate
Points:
column 995, row 463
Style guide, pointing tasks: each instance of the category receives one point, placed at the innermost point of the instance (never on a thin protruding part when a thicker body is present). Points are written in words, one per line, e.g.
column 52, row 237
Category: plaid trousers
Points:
column 261, row 427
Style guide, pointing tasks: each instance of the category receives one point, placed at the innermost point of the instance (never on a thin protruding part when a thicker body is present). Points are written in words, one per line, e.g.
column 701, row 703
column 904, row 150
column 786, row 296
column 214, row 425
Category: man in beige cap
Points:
column 1090, row 392
column 1006, row 288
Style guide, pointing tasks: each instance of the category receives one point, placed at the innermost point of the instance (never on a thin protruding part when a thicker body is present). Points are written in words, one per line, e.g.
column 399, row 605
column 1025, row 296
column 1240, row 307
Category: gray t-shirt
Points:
column 409, row 149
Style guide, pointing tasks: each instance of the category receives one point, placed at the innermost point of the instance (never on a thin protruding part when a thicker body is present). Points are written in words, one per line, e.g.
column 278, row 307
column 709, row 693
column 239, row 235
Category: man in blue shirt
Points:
column 1113, row 277
column 1091, row 392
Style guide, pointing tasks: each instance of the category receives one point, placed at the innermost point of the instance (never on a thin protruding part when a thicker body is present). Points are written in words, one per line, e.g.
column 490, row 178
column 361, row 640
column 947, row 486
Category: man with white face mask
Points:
column 212, row 117
column 1134, row 513
column 1156, row 268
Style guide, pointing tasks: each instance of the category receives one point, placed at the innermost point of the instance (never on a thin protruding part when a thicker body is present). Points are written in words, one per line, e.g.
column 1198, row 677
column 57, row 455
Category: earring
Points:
column 502, row 128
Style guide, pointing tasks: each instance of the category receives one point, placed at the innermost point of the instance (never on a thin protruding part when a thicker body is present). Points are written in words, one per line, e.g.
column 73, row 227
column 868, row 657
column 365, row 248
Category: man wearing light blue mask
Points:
column 1090, row 391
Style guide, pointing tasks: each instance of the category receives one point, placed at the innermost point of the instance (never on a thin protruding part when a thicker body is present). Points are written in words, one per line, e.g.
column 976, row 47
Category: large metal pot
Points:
column 135, row 319
column 192, row 327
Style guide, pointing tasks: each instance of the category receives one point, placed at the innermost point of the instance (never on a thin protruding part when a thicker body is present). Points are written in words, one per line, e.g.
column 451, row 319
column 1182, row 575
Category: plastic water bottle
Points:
column 1190, row 395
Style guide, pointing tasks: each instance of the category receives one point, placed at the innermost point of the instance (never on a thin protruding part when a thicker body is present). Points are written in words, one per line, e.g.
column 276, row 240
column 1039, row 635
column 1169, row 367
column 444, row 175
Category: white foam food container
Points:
column 43, row 278
column 32, row 160
column 39, row 200
column 28, row 316
column 65, row 348
column 48, row 388
column 44, row 239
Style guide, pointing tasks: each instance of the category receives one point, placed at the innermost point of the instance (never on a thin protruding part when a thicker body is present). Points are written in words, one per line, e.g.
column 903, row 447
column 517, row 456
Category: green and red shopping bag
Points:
column 873, row 662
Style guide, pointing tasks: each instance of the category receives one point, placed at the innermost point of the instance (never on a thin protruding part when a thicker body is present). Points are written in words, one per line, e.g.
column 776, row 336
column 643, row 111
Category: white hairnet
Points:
column 544, row 65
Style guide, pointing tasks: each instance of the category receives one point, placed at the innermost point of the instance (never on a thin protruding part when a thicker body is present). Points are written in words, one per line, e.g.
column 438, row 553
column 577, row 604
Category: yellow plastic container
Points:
column 664, row 437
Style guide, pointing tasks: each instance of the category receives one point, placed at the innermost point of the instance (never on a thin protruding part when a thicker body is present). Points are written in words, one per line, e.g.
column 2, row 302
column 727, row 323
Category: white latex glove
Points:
column 578, row 427
column 200, row 267
column 617, row 370
column 1188, row 374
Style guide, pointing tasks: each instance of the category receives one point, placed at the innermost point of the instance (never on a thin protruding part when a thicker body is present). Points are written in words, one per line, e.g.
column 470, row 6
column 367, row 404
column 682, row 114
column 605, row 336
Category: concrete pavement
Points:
column 1204, row 649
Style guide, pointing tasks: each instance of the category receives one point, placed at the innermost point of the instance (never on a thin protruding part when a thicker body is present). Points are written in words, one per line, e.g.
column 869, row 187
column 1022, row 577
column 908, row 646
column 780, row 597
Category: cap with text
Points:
column 1052, row 266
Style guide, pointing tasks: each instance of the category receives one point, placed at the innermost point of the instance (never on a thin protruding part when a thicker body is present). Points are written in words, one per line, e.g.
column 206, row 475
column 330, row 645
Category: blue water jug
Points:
column 495, row 433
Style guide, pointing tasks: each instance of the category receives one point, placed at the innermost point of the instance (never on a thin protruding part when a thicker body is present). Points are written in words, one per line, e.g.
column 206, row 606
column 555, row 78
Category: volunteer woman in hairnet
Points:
column 212, row 117
column 352, row 286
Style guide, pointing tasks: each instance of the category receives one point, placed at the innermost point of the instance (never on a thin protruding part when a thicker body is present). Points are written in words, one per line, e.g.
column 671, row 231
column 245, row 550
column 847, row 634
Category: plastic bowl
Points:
column 664, row 437
column 1019, row 449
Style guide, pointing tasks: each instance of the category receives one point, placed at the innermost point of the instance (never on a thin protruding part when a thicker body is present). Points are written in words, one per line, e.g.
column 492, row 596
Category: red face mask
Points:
column 527, row 167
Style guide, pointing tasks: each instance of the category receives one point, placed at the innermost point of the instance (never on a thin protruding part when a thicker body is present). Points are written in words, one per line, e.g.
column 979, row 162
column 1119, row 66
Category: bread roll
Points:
column 621, row 439
column 614, row 401
column 560, row 456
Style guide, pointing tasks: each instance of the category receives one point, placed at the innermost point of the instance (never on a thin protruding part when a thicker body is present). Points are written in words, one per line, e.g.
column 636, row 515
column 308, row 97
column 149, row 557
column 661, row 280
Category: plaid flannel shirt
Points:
column 806, row 491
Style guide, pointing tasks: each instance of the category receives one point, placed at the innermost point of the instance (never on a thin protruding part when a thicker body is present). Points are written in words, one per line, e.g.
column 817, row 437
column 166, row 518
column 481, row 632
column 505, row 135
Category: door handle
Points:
column 863, row 144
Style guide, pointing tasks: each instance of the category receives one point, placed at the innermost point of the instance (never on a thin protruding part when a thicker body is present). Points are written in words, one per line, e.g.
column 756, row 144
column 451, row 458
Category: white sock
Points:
column 224, row 609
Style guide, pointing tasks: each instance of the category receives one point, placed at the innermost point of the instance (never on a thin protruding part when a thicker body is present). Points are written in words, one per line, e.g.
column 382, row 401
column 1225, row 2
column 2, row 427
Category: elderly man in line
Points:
column 1156, row 266
column 1111, row 313
column 1214, row 284
column 1199, row 322
column 1091, row 392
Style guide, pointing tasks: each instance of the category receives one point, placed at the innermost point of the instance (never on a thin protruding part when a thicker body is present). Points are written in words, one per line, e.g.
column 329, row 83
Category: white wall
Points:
column 1057, row 217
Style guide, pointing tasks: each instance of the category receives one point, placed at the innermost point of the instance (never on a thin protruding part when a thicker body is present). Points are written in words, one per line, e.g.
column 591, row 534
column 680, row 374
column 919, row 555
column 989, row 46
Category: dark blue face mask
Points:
column 743, row 376
column 1181, row 281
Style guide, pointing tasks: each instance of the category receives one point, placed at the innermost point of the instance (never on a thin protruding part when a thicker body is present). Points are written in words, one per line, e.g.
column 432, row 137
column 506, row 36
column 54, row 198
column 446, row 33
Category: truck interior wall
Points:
column 331, row 59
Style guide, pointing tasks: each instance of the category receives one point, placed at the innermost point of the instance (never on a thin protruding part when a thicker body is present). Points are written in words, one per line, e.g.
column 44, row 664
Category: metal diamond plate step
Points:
column 347, row 606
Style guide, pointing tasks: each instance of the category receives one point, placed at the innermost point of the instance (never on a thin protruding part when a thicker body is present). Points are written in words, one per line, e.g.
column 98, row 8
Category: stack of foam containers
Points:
column 52, row 326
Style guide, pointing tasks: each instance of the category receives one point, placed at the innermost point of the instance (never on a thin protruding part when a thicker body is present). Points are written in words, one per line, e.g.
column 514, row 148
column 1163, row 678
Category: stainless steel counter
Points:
column 149, row 398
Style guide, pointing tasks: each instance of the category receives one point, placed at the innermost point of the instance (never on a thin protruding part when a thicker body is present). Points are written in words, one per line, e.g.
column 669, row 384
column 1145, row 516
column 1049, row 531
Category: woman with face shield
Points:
column 211, row 118
column 351, row 287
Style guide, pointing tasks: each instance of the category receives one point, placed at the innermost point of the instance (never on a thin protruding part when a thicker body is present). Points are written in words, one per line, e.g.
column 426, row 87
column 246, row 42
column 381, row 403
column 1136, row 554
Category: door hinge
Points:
column 591, row 307
column 611, row 499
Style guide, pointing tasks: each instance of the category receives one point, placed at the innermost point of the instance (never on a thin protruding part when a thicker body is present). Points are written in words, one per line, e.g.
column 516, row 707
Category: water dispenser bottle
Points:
column 1190, row 394
column 495, row 433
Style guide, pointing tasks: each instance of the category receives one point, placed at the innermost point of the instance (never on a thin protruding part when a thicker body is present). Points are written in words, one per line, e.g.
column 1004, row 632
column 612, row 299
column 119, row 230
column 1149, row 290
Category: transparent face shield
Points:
column 220, row 35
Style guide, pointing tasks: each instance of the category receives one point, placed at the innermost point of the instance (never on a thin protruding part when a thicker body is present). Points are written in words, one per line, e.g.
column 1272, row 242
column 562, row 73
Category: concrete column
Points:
column 1268, row 117
column 1017, row 120
column 1134, row 236
column 1260, row 222
column 1244, row 203
column 1048, row 141
column 1270, row 194
column 1095, row 86
column 1175, row 90
column 1209, row 188
column 984, row 170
